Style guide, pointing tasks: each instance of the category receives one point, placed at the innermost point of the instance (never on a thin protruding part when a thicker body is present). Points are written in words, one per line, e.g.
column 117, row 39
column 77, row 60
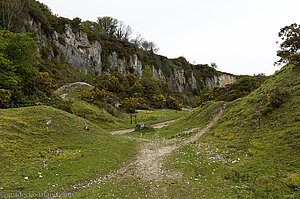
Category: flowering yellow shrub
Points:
column 159, row 101
column 45, row 82
column 172, row 103
column 131, row 104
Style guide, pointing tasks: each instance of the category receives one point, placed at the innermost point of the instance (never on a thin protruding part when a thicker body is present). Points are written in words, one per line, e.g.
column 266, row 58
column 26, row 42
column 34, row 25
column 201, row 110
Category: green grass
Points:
column 106, row 121
column 198, row 118
column 63, row 152
column 248, row 154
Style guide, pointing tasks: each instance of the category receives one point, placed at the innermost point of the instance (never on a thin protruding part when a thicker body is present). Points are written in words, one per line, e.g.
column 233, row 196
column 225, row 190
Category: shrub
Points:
column 131, row 104
column 172, row 103
column 110, row 109
column 45, row 83
column 79, row 113
column 94, row 96
column 4, row 98
column 159, row 101
column 275, row 98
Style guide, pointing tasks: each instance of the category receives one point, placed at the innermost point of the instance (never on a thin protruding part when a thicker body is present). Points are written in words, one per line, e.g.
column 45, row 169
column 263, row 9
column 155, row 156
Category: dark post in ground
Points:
column 131, row 116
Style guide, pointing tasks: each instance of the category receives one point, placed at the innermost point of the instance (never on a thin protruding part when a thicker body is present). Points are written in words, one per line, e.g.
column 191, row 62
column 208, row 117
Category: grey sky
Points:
column 238, row 35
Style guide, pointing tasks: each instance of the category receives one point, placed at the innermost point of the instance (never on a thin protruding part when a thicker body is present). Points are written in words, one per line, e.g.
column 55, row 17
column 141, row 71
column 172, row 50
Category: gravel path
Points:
column 148, row 164
column 156, row 126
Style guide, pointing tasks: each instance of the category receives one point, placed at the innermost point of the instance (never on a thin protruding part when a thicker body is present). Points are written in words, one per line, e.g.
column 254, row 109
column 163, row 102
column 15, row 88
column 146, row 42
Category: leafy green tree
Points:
column 17, row 55
column 109, row 25
column 290, row 47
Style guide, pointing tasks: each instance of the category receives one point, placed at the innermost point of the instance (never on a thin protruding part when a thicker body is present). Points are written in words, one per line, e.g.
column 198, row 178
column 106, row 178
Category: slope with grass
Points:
column 46, row 149
column 121, row 120
column 253, row 150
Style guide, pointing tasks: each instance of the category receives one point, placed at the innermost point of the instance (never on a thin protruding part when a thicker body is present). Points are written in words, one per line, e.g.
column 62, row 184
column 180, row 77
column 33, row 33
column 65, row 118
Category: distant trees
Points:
column 149, row 46
column 20, row 79
column 123, row 32
column 290, row 47
column 108, row 26
column 10, row 11
column 214, row 65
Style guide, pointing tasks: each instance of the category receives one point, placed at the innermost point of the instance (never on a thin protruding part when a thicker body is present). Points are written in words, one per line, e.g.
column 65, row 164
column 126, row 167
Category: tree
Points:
column 123, row 31
column 138, row 40
column 10, row 13
column 109, row 25
column 150, row 46
column 214, row 65
column 290, row 47
column 17, row 55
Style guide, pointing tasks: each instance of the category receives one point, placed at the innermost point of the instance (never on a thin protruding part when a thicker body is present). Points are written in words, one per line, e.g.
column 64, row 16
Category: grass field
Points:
column 40, row 157
column 248, row 154
column 122, row 120
column 252, row 151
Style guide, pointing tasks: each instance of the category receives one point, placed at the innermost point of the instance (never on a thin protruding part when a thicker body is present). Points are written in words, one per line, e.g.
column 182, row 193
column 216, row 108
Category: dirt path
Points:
column 156, row 126
column 148, row 164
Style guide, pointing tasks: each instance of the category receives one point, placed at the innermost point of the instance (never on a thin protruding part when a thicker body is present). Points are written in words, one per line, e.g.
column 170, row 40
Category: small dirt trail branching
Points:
column 156, row 126
column 148, row 165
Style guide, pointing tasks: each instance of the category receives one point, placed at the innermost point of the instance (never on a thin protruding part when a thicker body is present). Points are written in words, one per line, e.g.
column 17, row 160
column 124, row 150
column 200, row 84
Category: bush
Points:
column 172, row 103
column 131, row 104
column 4, row 98
column 110, row 109
column 274, row 98
column 158, row 101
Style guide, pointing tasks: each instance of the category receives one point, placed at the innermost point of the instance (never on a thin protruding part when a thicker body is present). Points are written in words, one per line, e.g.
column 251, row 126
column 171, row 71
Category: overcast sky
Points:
column 238, row 35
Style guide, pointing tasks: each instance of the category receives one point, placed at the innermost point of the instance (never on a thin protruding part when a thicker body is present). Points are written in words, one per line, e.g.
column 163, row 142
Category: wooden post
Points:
column 131, row 116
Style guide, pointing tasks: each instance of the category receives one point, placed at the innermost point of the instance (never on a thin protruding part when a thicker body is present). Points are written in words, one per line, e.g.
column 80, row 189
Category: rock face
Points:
column 77, row 50
column 221, row 80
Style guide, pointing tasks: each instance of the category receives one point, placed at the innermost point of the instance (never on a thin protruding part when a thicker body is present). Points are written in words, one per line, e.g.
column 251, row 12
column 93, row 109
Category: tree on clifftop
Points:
column 10, row 11
column 290, row 47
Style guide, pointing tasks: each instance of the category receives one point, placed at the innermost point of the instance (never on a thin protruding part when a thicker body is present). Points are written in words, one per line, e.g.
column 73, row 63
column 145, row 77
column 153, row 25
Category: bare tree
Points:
column 213, row 65
column 150, row 46
column 153, row 47
column 123, row 31
column 138, row 40
column 11, row 11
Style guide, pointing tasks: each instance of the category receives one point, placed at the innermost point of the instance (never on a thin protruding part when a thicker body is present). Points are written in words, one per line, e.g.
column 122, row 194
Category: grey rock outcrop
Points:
column 77, row 50
column 221, row 80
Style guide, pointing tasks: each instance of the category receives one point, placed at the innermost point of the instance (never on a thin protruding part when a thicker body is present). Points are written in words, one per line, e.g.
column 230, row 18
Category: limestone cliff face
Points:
column 77, row 50
column 221, row 80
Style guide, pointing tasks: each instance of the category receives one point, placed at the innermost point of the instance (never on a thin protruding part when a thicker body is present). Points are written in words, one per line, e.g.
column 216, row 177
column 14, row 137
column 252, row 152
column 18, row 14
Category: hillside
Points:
column 248, row 148
column 253, row 149
column 71, row 90
column 94, row 51
column 45, row 149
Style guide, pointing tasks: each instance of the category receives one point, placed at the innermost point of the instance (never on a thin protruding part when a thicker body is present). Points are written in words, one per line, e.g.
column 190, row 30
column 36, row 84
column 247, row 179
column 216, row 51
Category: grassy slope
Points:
column 247, row 154
column 108, row 122
column 198, row 118
column 65, row 153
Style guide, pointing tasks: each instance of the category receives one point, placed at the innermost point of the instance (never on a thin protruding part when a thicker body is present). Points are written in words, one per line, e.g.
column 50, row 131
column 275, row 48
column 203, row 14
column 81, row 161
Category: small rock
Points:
column 86, row 128
column 26, row 178
column 48, row 122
